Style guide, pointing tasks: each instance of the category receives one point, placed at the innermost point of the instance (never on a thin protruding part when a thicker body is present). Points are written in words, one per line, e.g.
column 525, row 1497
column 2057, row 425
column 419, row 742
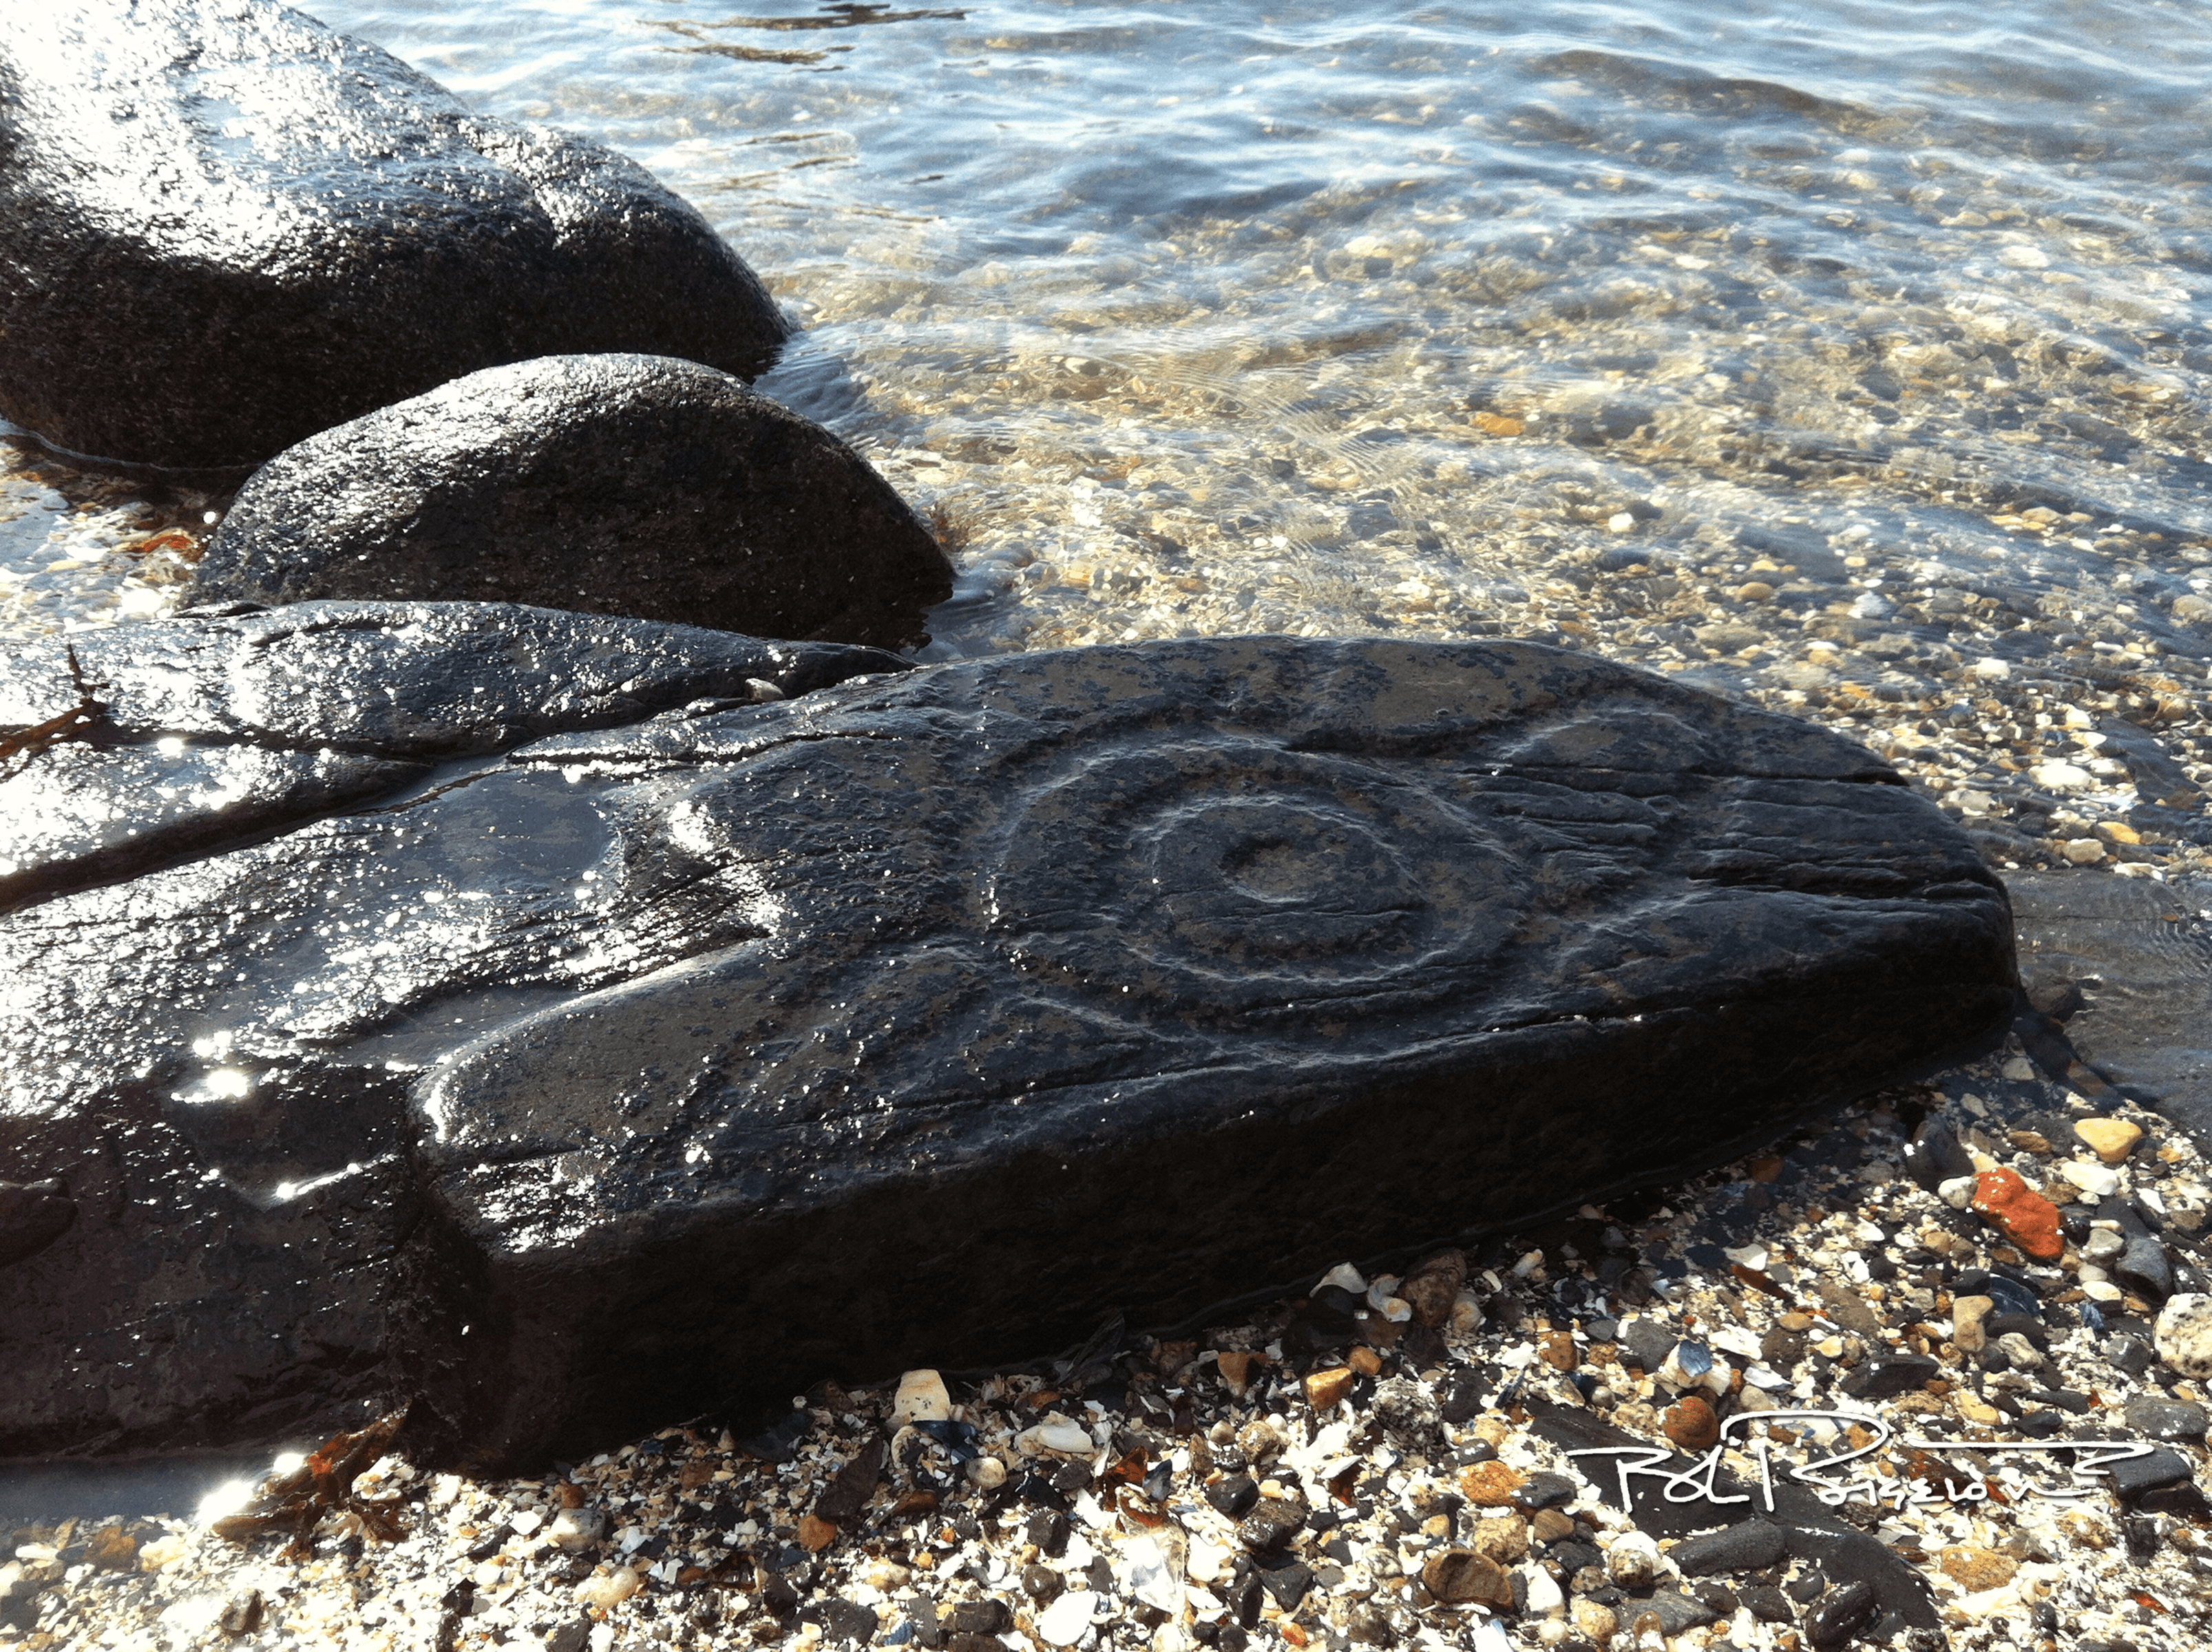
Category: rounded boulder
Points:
column 224, row 226
column 633, row 485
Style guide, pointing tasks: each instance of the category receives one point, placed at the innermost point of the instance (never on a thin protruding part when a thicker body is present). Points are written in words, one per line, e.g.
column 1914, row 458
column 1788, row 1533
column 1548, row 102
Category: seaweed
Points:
column 19, row 745
column 295, row 1500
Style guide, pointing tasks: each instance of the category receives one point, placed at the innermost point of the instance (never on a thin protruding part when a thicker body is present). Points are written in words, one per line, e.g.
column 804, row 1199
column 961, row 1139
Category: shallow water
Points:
column 1567, row 320
column 1222, row 317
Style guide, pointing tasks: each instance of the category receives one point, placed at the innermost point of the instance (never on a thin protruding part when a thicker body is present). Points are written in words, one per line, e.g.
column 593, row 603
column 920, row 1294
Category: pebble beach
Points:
column 1879, row 404
column 1379, row 1460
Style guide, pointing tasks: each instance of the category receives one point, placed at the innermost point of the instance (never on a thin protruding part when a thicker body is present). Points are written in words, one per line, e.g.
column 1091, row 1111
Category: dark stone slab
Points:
column 224, row 226
column 2154, row 1417
column 208, row 732
column 2131, row 1476
column 1883, row 1375
column 225, row 1270
column 32, row 1217
column 608, row 484
column 1748, row 1546
column 1677, row 1612
column 928, row 1019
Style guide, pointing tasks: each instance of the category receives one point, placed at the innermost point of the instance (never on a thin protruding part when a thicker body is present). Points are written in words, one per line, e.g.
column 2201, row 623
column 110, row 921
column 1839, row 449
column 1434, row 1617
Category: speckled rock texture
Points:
column 942, row 1015
column 224, row 226
column 609, row 484
column 239, row 895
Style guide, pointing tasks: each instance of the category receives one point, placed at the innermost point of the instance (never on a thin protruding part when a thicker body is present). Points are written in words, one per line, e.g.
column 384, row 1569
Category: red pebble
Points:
column 2025, row 1216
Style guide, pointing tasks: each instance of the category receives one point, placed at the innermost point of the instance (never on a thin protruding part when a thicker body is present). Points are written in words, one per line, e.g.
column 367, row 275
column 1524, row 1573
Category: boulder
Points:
column 204, row 1258
column 224, row 226
column 924, row 1020
column 608, row 484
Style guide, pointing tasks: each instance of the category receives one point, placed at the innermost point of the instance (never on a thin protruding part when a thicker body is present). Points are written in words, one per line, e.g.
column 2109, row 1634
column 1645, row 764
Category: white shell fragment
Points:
column 1343, row 1277
column 1056, row 1436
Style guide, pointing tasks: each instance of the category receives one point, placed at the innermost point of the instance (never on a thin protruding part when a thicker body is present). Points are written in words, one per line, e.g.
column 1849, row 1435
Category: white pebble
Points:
column 577, row 1529
column 2184, row 1334
column 2096, row 1180
column 1544, row 1595
column 1958, row 1192
column 1466, row 1312
column 609, row 1589
column 921, row 1399
column 1066, row 1619
column 987, row 1472
column 2061, row 777
column 1056, row 1437
column 163, row 1552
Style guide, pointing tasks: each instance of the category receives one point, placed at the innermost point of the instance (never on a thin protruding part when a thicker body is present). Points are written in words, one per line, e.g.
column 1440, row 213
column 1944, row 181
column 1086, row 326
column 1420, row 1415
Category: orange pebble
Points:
column 1691, row 1424
column 2024, row 1216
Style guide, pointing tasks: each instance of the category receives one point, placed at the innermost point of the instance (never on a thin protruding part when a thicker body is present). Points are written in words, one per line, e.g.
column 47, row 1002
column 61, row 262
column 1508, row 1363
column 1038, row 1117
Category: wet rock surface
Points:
column 841, row 1013
column 608, row 484
column 210, row 1041
column 319, row 229
column 192, row 735
column 32, row 1217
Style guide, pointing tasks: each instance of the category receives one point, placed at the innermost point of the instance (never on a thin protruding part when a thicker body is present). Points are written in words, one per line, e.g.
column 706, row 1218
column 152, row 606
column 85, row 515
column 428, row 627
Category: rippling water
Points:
column 1558, row 319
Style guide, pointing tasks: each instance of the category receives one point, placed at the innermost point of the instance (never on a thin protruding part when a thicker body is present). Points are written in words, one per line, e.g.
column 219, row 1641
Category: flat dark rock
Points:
column 219, row 1267
column 928, row 1019
column 1884, row 1376
column 224, row 226
column 1748, row 1546
column 1677, row 1612
column 608, row 484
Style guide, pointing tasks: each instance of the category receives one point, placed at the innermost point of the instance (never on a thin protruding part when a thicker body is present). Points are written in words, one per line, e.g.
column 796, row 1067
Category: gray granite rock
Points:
column 609, row 484
column 224, row 226
column 927, row 1019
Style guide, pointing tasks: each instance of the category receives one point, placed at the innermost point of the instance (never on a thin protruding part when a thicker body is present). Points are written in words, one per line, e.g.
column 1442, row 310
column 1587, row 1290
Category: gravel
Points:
column 1139, row 1500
